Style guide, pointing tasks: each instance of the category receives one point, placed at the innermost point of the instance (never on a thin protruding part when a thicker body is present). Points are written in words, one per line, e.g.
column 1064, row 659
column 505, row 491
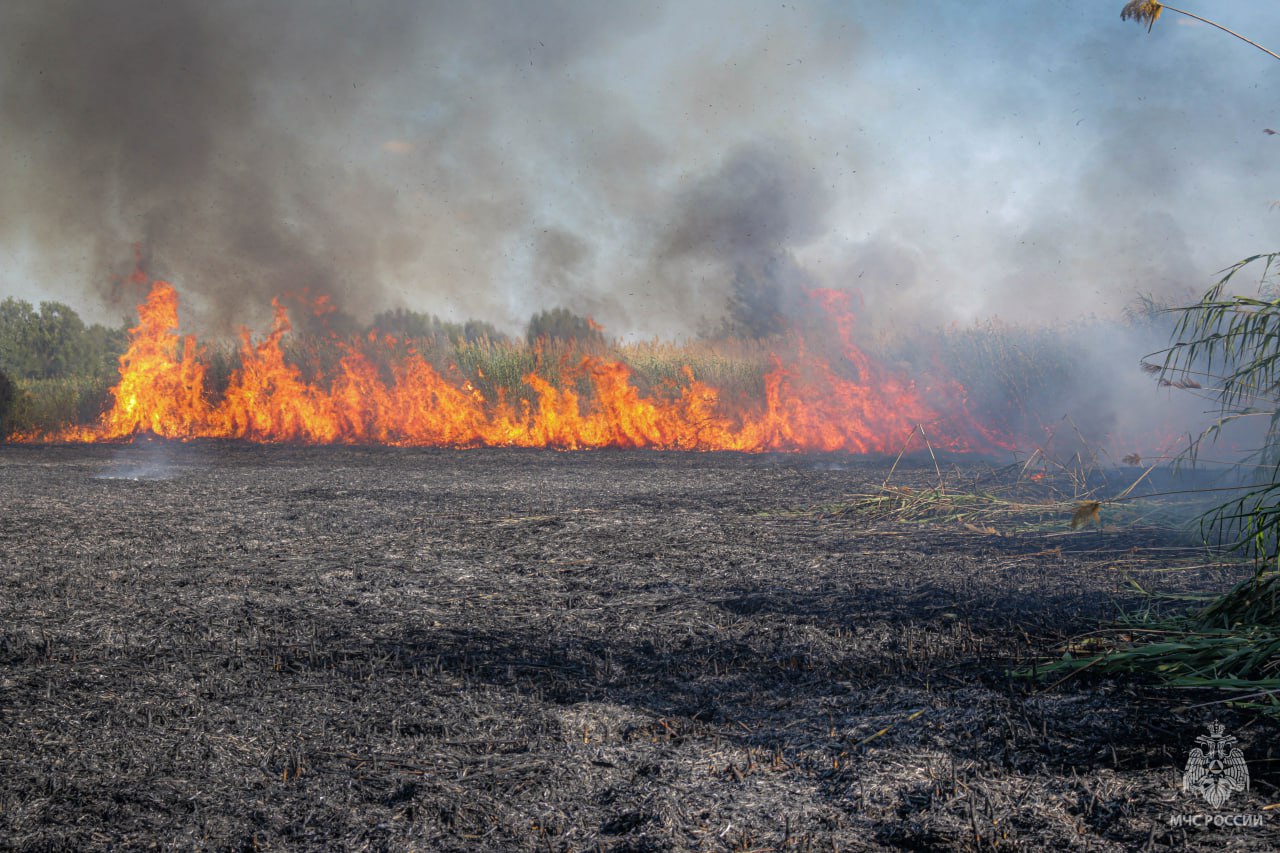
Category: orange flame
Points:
column 808, row 403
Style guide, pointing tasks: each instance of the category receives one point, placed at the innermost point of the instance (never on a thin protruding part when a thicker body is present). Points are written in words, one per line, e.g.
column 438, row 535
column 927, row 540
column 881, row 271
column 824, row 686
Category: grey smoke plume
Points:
column 244, row 146
column 187, row 127
column 737, row 226
column 654, row 165
column 482, row 159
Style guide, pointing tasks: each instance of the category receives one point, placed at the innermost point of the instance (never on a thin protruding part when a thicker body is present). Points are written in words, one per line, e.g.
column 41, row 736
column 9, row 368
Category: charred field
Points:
column 230, row 646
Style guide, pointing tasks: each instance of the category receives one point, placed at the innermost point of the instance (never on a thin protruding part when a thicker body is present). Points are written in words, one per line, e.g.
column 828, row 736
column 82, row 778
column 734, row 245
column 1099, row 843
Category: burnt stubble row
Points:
column 237, row 647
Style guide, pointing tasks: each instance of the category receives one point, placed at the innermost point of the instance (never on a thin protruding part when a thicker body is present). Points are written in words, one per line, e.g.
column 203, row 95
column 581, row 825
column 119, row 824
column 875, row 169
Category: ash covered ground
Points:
column 238, row 647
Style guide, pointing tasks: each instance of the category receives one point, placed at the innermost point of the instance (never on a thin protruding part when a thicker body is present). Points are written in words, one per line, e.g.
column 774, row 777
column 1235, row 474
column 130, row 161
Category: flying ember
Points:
column 381, row 390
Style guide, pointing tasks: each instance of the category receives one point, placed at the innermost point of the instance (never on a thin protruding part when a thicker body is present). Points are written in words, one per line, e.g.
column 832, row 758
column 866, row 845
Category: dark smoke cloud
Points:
column 174, row 125
column 559, row 260
column 666, row 168
column 645, row 163
column 239, row 143
column 757, row 202
column 485, row 159
column 733, row 231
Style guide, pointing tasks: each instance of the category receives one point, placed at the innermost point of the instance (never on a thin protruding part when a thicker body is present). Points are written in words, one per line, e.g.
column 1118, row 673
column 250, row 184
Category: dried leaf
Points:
column 1086, row 513
column 1143, row 11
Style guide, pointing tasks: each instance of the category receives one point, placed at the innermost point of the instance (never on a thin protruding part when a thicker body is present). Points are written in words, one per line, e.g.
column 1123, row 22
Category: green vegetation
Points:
column 406, row 324
column 49, row 404
column 62, row 370
column 8, row 394
column 57, row 369
column 1230, row 345
column 1231, row 642
column 562, row 325
column 52, row 342
column 1016, row 377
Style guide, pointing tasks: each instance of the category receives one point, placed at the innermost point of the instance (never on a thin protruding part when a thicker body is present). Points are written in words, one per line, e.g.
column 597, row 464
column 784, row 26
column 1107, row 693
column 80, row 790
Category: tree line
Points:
column 56, row 367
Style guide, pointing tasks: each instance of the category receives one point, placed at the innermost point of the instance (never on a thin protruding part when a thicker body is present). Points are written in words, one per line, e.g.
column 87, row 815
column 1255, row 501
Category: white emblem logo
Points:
column 1213, row 772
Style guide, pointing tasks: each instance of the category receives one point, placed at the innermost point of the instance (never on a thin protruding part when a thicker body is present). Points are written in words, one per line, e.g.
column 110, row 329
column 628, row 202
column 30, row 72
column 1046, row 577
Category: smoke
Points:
column 736, row 227
column 666, row 168
column 244, row 147
column 171, row 125
column 470, row 159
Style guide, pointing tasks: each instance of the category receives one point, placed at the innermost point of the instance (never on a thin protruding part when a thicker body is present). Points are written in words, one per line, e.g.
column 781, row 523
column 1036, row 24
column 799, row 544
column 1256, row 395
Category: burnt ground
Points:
column 238, row 647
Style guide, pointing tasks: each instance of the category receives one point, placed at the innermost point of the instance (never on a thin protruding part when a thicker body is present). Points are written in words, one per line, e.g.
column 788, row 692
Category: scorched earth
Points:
column 261, row 647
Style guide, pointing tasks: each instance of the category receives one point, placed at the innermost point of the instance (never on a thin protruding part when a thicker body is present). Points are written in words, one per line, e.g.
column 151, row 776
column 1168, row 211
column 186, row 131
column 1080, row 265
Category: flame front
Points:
column 807, row 405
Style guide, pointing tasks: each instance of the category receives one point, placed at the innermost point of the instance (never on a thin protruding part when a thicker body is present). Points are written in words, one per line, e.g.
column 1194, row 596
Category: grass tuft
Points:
column 1228, row 643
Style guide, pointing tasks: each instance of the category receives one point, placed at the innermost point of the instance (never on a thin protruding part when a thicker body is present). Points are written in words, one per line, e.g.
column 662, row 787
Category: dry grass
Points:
column 1143, row 11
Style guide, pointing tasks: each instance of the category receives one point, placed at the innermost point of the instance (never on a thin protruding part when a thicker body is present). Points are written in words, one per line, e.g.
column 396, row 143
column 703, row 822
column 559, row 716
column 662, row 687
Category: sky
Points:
column 1031, row 160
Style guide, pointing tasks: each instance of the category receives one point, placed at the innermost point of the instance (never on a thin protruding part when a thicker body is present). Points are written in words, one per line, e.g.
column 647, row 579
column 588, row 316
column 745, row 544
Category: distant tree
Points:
column 60, row 345
column 8, row 397
column 18, row 320
column 403, row 323
column 474, row 331
column 561, row 324
column 406, row 324
column 106, row 344
column 53, row 342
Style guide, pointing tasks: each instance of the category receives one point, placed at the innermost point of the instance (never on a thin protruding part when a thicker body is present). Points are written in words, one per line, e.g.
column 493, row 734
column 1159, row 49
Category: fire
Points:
column 809, row 402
